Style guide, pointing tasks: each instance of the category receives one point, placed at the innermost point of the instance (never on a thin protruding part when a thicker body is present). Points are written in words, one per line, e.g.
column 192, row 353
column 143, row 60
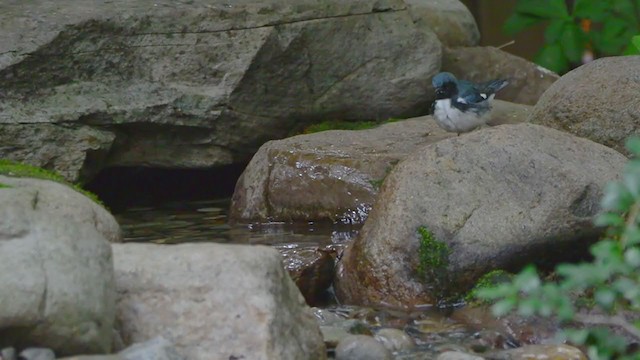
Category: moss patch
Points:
column 4, row 186
column 490, row 279
column 433, row 260
column 345, row 125
column 16, row 169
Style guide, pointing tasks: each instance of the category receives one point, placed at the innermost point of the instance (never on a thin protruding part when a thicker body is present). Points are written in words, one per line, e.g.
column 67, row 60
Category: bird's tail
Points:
column 494, row 86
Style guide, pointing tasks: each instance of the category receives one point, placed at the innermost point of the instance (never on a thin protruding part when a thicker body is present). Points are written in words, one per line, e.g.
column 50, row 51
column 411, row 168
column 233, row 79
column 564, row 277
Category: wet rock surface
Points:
column 361, row 347
column 598, row 101
column 198, row 84
column 336, row 174
column 496, row 198
column 527, row 81
column 180, row 292
column 311, row 269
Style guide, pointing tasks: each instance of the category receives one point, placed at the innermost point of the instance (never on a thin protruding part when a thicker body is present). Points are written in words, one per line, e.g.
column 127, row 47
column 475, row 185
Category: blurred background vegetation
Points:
column 559, row 34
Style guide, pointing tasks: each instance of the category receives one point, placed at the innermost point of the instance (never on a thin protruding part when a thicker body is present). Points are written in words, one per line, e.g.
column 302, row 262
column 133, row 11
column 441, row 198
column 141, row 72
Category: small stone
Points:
column 395, row 339
column 37, row 354
column 8, row 354
column 332, row 335
column 458, row 355
column 155, row 349
column 361, row 347
column 540, row 352
column 326, row 317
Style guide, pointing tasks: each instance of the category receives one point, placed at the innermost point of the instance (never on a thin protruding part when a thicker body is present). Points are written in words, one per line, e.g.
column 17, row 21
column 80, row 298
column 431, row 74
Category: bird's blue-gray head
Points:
column 446, row 85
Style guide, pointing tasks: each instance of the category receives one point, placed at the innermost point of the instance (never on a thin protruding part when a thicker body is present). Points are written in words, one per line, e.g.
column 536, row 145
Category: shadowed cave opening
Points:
column 121, row 188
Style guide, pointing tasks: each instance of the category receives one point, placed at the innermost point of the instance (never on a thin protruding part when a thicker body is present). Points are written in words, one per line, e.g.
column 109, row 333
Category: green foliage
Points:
column 345, row 125
column 433, row 259
column 488, row 280
column 4, row 186
column 611, row 281
column 614, row 23
column 15, row 169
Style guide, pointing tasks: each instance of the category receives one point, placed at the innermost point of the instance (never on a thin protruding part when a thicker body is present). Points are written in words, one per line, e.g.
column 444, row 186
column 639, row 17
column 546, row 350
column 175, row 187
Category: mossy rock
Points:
column 16, row 169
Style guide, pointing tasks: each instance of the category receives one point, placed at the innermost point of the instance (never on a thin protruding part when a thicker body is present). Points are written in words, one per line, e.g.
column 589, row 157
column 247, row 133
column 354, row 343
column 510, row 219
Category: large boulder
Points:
column 200, row 83
column 56, row 276
column 49, row 197
column 527, row 81
column 449, row 19
column 214, row 301
column 335, row 174
column 598, row 101
column 495, row 199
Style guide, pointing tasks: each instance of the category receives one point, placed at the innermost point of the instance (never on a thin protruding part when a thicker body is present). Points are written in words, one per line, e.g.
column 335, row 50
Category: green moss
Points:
column 487, row 280
column 377, row 183
column 4, row 186
column 433, row 255
column 16, row 169
column 345, row 125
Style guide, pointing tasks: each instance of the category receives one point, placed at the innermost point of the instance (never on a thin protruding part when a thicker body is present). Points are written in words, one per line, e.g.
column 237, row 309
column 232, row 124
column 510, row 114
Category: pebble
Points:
column 540, row 352
column 8, row 354
column 458, row 355
column 395, row 339
column 361, row 347
column 37, row 354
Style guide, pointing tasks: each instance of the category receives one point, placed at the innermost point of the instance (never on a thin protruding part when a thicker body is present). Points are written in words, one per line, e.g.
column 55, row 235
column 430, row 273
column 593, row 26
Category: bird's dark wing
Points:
column 469, row 93
column 493, row 86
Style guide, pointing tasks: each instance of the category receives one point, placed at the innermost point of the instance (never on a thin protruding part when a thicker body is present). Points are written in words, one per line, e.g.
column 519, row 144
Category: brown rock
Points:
column 496, row 198
column 449, row 19
column 311, row 269
column 527, row 81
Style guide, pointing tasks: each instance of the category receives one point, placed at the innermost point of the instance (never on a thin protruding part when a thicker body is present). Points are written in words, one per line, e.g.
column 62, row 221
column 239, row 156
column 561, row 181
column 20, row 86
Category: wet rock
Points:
column 361, row 347
column 527, row 81
column 154, row 349
column 597, row 101
column 52, row 198
column 94, row 357
column 52, row 267
column 198, row 84
column 332, row 335
column 311, row 269
column 37, row 354
column 181, row 292
column 496, row 198
column 540, row 352
column 394, row 339
column 326, row 317
column 457, row 355
column 330, row 174
column 449, row 19
column 507, row 331
column 8, row 354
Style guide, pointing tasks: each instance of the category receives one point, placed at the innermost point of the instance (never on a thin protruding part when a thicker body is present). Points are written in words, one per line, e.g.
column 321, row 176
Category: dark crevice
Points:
column 121, row 188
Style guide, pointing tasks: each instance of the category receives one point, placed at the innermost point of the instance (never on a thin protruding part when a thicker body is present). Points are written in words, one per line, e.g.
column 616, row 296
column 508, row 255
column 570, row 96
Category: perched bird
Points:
column 462, row 106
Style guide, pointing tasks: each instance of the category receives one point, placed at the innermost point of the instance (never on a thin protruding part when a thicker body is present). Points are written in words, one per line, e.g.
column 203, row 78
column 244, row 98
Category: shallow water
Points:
column 432, row 330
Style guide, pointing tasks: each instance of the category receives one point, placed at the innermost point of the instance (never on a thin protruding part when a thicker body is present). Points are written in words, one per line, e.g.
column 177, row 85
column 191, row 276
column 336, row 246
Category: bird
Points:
column 462, row 106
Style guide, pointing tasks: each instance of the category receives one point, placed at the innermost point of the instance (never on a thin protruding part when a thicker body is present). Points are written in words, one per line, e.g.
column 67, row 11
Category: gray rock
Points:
column 598, row 101
column 527, row 81
column 332, row 335
column 49, row 197
column 361, row 347
column 200, row 83
column 8, row 354
column 56, row 277
column 457, row 355
column 154, row 349
column 395, row 339
column 214, row 301
column 93, row 357
column 449, row 19
column 336, row 174
column 326, row 317
column 496, row 197
column 37, row 354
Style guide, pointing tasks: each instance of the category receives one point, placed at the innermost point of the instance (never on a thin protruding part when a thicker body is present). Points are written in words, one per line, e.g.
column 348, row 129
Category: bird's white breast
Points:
column 453, row 120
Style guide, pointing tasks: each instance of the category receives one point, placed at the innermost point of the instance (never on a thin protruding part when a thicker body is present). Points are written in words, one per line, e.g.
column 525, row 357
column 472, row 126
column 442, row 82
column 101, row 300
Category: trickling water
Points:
column 431, row 330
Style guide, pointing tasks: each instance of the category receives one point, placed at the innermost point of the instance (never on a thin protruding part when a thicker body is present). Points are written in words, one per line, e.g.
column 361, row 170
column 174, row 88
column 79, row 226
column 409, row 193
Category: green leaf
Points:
column 518, row 22
column 632, row 257
column 590, row 9
column 613, row 37
column 573, row 42
column 616, row 197
column 636, row 41
column 553, row 58
column 609, row 219
column 633, row 145
column 554, row 30
column 605, row 297
column 503, row 307
column 546, row 9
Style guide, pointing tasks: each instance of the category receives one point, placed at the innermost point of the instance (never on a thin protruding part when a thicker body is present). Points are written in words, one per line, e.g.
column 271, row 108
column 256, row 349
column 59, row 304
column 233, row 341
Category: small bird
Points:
column 460, row 105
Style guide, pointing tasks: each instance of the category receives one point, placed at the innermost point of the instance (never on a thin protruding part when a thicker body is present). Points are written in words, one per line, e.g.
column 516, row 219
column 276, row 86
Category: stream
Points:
column 431, row 331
